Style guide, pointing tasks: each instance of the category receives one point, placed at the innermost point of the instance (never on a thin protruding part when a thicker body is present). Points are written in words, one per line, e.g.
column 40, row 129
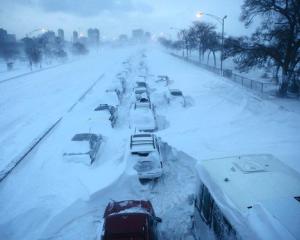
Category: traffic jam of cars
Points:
column 128, row 219
column 135, row 219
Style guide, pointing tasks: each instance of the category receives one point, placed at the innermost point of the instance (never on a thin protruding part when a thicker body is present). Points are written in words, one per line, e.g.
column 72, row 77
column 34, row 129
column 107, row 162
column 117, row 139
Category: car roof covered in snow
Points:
column 142, row 104
column 111, row 97
column 129, row 206
column 251, row 180
column 85, row 137
column 142, row 142
column 140, row 89
column 78, row 147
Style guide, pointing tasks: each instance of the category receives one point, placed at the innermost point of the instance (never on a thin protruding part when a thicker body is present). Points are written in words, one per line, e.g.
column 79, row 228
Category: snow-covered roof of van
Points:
column 251, row 180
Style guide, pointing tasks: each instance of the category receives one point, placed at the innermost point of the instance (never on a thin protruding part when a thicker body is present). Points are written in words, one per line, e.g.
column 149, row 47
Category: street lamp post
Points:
column 222, row 22
column 222, row 51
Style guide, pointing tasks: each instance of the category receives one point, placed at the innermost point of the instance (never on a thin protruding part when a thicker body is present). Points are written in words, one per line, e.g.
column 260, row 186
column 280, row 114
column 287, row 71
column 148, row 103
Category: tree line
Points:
column 38, row 50
column 275, row 44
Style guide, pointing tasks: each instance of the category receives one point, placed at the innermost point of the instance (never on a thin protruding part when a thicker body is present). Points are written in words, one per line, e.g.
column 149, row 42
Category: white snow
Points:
column 46, row 197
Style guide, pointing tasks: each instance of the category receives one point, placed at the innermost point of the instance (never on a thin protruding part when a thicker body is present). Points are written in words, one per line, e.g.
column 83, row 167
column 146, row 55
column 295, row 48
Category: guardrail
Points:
column 35, row 71
column 228, row 73
column 13, row 164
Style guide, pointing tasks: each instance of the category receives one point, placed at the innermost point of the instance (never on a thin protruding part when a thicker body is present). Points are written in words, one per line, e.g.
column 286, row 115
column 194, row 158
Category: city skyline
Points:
column 114, row 17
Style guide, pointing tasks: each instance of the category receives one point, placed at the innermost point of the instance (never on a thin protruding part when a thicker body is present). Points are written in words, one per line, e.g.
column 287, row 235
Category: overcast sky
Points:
column 114, row 17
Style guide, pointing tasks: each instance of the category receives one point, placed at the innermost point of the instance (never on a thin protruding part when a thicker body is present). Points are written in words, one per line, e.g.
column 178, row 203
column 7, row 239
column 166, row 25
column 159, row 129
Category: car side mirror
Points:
column 158, row 219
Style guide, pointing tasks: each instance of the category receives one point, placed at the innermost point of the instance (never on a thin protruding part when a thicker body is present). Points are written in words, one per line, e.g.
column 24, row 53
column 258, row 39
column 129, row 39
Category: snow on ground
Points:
column 21, row 68
column 32, row 103
column 225, row 119
column 255, row 74
column 47, row 197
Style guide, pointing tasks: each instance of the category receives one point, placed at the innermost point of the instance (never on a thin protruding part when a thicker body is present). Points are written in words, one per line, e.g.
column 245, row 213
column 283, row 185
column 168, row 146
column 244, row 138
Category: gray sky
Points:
column 114, row 17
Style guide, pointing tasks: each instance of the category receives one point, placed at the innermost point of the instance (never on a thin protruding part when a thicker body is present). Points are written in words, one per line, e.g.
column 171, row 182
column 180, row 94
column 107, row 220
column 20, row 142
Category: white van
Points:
column 247, row 197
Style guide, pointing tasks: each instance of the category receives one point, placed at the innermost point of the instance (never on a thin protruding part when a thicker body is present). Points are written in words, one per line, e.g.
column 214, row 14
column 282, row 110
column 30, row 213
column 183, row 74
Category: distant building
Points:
column 61, row 34
column 11, row 38
column 75, row 36
column 83, row 40
column 138, row 35
column 93, row 36
column 3, row 34
column 5, row 37
column 148, row 36
column 50, row 36
column 123, row 38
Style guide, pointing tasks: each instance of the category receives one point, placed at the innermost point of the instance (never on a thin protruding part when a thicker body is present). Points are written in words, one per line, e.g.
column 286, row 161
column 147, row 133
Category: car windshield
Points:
column 176, row 93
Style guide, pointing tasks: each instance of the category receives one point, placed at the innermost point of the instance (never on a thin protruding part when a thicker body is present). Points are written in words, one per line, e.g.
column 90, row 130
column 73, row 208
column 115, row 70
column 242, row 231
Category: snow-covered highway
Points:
column 29, row 105
column 46, row 197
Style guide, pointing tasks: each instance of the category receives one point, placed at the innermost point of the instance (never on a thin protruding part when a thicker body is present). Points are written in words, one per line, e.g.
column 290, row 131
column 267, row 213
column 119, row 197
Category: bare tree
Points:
column 276, row 41
column 33, row 51
column 202, row 33
column 184, row 37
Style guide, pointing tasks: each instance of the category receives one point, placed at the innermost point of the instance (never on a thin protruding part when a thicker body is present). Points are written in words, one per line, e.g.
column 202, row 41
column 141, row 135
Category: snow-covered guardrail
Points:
column 245, row 82
column 8, row 169
column 35, row 71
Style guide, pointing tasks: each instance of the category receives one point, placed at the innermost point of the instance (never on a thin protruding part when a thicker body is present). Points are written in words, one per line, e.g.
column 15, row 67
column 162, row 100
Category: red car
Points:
column 130, row 220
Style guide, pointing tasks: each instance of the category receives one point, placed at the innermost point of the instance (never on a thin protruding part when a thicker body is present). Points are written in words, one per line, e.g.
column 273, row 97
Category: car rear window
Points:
column 85, row 137
column 176, row 93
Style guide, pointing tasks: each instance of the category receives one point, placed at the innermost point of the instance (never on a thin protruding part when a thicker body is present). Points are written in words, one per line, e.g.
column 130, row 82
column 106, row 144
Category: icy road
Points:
column 46, row 197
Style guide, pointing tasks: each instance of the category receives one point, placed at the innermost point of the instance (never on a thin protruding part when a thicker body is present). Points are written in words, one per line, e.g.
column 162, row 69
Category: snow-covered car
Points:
column 247, row 197
column 145, row 152
column 139, row 91
column 142, row 117
column 143, row 101
column 84, row 147
column 115, row 95
column 141, row 84
column 163, row 78
column 176, row 96
column 130, row 220
column 112, row 110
